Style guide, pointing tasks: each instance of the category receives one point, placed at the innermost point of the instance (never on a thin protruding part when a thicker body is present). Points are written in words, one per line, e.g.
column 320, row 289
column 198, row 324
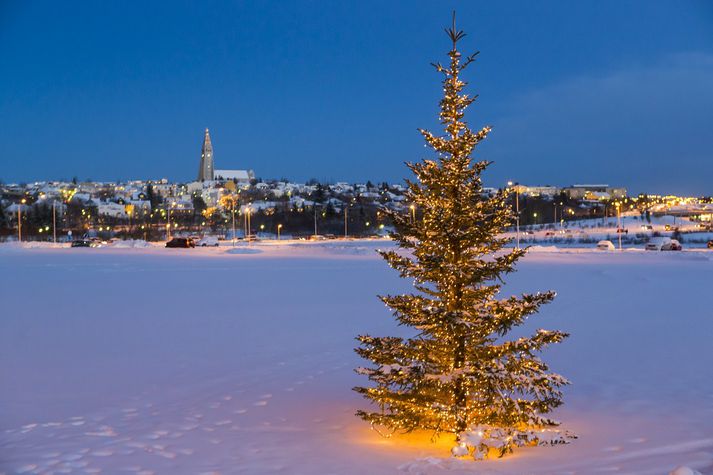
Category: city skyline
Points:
column 613, row 93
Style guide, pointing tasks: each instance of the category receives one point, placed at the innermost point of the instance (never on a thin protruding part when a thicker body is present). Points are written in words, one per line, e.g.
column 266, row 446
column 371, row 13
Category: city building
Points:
column 594, row 192
column 206, row 170
column 240, row 177
column 525, row 190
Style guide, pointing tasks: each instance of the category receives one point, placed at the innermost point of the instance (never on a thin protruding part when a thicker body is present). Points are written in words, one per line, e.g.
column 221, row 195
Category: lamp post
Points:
column 54, row 221
column 19, row 219
column 346, row 210
column 168, row 223
column 618, row 222
column 247, row 218
column 413, row 213
column 517, row 214
column 279, row 227
column 233, row 213
column 315, row 219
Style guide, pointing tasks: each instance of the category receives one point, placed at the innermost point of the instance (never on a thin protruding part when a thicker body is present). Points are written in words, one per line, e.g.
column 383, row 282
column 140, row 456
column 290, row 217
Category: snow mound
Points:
column 243, row 250
column 684, row 471
column 542, row 249
column 130, row 243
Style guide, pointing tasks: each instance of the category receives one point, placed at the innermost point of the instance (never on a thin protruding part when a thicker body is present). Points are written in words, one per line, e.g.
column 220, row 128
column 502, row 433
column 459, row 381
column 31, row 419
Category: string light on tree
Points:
column 459, row 374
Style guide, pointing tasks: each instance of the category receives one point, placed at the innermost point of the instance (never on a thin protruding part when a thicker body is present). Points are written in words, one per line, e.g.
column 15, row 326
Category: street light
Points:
column 346, row 212
column 19, row 220
column 168, row 222
column 315, row 218
column 279, row 227
column 54, row 221
column 618, row 222
column 247, row 223
column 413, row 213
column 517, row 214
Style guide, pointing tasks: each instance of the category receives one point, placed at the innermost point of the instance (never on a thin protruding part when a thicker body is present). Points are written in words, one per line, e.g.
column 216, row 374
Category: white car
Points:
column 663, row 244
column 208, row 241
column 605, row 246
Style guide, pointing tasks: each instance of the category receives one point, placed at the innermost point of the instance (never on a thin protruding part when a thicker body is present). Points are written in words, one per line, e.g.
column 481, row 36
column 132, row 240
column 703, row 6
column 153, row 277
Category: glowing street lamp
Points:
column 19, row 220
column 54, row 221
column 248, row 210
column 618, row 222
column 413, row 213
column 279, row 227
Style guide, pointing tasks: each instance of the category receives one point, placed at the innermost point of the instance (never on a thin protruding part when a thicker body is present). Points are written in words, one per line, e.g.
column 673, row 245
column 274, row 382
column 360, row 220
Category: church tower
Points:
column 206, row 171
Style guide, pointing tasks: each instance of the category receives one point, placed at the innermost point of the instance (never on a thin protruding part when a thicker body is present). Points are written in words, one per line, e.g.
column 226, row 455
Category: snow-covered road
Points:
column 240, row 361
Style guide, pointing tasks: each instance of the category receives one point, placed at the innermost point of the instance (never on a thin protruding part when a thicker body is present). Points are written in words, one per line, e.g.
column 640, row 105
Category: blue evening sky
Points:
column 619, row 92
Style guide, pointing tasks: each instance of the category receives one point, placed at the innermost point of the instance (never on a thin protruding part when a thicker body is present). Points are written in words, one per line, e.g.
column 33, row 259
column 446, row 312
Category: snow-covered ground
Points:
column 221, row 360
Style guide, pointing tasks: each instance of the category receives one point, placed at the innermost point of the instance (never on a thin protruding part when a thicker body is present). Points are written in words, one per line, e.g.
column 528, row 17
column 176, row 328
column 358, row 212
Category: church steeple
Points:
column 206, row 171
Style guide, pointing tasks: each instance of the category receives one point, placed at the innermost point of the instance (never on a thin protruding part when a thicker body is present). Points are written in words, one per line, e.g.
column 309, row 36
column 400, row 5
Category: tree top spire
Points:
column 453, row 33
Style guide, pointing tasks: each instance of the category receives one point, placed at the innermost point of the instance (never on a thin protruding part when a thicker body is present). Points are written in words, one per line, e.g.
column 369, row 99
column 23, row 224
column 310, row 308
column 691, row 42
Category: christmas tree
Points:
column 459, row 374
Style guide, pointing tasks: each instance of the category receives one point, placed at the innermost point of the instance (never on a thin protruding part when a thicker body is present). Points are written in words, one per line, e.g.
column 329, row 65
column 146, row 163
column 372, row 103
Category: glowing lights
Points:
column 458, row 374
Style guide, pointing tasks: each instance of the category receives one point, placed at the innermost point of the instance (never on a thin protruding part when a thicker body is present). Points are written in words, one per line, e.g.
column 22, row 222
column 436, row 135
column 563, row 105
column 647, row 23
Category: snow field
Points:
column 151, row 360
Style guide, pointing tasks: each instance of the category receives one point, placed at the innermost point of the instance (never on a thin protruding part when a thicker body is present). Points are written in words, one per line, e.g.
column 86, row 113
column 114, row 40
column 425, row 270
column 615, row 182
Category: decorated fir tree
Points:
column 459, row 374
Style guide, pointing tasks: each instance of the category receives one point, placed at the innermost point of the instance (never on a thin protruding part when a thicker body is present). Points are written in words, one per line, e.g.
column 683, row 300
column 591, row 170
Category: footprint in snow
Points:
column 71, row 457
column 102, row 453
column 27, row 468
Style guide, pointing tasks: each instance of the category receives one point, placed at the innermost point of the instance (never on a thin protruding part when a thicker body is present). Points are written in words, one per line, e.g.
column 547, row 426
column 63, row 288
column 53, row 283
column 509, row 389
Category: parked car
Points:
column 710, row 244
column 83, row 243
column 663, row 244
column 669, row 227
column 181, row 242
column 647, row 227
column 549, row 233
column 605, row 246
column 208, row 241
column 622, row 231
column 672, row 245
